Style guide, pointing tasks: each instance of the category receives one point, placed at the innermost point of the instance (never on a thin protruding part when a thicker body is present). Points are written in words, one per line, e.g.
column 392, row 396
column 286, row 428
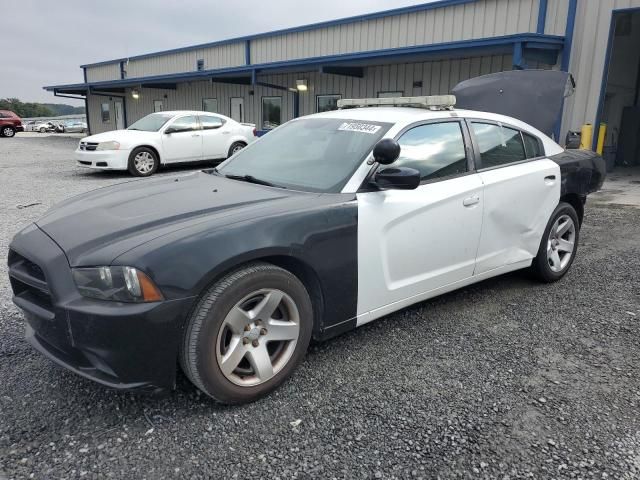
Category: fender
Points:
column 582, row 172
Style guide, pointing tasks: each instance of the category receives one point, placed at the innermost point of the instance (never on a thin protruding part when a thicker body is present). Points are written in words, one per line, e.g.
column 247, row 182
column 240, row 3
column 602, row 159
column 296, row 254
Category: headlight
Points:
column 108, row 146
column 119, row 284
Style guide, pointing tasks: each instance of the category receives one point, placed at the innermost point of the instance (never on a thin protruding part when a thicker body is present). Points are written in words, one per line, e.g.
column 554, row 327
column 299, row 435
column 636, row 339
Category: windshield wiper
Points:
column 252, row 179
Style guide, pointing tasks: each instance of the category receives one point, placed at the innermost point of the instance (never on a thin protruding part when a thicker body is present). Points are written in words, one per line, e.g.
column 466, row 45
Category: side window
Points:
column 533, row 146
column 184, row 124
column 209, row 122
column 435, row 150
column 498, row 145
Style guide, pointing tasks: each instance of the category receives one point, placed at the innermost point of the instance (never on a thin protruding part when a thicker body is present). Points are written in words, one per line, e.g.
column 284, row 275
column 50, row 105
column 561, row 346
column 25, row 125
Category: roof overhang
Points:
column 542, row 47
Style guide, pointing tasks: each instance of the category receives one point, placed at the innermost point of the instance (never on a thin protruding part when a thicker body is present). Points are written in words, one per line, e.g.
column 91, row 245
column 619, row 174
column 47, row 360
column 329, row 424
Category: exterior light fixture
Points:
column 135, row 94
column 301, row 85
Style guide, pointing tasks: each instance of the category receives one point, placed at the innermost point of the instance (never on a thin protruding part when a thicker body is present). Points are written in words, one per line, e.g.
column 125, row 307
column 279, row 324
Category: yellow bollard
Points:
column 602, row 134
column 586, row 136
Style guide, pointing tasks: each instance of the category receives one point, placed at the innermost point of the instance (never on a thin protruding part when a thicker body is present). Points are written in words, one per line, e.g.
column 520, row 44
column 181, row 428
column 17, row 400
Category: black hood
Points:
column 100, row 225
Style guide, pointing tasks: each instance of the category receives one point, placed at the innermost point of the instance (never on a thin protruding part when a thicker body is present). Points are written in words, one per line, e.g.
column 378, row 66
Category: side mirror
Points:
column 170, row 130
column 386, row 151
column 398, row 178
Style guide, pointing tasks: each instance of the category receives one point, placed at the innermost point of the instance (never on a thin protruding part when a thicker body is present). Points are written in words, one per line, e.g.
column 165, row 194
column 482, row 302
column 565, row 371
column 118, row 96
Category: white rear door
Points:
column 411, row 242
column 520, row 195
column 182, row 140
column 215, row 134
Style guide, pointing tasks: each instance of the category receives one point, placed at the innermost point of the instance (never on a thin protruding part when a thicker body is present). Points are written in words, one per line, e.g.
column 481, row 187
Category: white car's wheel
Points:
column 143, row 162
column 235, row 148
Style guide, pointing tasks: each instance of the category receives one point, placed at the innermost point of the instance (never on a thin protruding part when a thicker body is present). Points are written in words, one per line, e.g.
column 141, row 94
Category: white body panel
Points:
column 415, row 241
column 182, row 147
column 518, row 202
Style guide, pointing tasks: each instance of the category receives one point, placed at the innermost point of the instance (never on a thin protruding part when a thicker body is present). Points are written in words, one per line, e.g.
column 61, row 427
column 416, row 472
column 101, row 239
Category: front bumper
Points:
column 20, row 128
column 103, row 159
column 120, row 345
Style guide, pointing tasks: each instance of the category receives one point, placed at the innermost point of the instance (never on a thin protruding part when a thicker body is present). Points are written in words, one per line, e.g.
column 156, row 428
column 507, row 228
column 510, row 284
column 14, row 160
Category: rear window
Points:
column 533, row 146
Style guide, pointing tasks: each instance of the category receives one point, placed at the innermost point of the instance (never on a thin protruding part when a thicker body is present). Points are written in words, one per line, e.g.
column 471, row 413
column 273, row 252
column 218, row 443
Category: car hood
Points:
column 96, row 227
column 123, row 136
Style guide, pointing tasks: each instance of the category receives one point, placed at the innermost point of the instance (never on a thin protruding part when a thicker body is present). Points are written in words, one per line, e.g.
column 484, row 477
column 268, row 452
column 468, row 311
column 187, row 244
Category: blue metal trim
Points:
column 605, row 72
column 553, row 41
column 518, row 60
column 254, row 76
column 84, row 74
column 296, row 104
column 123, row 73
column 542, row 16
column 568, row 35
column 247, row 52
column 566, row 55
column 302, row 28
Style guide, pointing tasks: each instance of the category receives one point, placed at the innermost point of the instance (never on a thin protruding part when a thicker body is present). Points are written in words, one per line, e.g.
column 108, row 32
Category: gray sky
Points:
column 50, row 40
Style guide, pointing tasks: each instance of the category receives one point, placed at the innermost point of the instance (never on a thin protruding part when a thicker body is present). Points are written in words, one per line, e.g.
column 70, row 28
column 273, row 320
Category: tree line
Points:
column 34, row 109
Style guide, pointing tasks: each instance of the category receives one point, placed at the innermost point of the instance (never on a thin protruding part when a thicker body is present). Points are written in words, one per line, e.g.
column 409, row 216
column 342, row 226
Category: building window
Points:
column 271, row 112
column 210, row 105
column 158, row 106
column 106, row 112
column 200, row 65
column 390, row 94
column 326, row 103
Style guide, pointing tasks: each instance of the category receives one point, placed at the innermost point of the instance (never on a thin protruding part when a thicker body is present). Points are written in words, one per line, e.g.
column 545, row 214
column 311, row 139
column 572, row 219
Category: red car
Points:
column 10, row 123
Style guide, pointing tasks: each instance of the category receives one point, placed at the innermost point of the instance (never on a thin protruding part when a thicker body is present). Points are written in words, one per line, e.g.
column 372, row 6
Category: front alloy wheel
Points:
column 247, row 334
column 8, row 132
column 143, row 162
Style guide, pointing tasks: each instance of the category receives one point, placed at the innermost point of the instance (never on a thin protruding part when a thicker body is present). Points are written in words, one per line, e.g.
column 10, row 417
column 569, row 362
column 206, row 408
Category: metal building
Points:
column 272, row 77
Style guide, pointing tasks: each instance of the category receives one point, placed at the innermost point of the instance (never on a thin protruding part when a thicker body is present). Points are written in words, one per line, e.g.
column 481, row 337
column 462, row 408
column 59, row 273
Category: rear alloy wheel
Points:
column 143, row 162
column 235, row 148
column 8, row 131
column 247, row 334
column 559, row 244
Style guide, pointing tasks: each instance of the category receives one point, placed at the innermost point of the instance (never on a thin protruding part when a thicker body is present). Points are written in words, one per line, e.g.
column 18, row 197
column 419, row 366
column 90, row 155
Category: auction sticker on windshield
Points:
column 359, row 127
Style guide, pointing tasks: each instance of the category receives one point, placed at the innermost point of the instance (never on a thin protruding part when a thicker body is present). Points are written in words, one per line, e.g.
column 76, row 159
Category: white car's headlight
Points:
column 113, row 145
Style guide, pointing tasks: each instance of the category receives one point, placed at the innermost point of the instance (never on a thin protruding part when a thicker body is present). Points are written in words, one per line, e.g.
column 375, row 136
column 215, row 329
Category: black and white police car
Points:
column 326, row 223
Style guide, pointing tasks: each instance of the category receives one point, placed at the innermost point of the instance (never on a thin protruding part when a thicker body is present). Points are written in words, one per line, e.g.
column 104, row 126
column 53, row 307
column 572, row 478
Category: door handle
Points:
column 550, row 179
column 470, row 201
column 195, row 135
column 226, row 132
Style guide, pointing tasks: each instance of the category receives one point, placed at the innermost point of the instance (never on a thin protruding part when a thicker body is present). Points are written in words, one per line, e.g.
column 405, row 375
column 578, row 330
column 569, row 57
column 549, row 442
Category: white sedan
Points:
column 163, row 138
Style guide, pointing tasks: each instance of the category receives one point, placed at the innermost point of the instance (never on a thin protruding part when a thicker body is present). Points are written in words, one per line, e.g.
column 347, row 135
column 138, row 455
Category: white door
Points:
column 182, row 140
column 215, row 136
column 237, row 109
column 411, row 242
column 519, row 197
column 119, row 112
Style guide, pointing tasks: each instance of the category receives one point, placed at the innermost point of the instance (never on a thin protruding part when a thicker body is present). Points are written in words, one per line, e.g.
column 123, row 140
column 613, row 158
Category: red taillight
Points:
column 255, row 132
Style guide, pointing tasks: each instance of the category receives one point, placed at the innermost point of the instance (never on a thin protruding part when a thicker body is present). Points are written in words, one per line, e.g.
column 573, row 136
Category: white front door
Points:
column 215, row 136
column 237, row 109
column 519, row 197
column 119, row 113
column 411, row 242
column 182, row 140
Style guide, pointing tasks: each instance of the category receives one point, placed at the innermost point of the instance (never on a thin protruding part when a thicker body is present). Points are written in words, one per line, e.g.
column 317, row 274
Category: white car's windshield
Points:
column 151, row 123
column 310, row 154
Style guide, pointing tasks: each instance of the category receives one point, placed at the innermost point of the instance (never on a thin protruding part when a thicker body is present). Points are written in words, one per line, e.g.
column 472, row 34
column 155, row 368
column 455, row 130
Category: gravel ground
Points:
column 505, row 379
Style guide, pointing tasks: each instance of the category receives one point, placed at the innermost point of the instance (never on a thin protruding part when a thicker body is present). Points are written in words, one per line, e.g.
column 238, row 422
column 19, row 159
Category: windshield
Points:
column 310, row 154
column 151, row 123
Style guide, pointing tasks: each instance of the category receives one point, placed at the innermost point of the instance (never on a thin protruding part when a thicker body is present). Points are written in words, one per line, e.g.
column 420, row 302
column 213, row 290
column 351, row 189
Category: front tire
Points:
column 8, row 132
column 247, row 333
column 558, row 246
column 143, row 162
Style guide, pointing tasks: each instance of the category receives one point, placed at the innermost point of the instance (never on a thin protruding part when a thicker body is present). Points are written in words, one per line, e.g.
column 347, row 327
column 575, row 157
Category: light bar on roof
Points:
column 432, row 102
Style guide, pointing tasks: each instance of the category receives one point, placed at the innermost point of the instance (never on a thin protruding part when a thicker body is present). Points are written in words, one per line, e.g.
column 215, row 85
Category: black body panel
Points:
column 582, row 171
column 184, row 233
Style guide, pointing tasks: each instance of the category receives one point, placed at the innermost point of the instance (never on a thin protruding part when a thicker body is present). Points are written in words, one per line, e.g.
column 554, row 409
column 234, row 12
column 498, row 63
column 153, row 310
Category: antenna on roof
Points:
column 432, row 102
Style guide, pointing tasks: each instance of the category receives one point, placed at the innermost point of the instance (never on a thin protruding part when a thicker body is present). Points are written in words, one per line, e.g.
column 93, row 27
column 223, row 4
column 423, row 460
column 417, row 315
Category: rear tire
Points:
column 235, row 148
column 143, row 162
column 247, row 334
column 8, row 132
column 558, row 246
